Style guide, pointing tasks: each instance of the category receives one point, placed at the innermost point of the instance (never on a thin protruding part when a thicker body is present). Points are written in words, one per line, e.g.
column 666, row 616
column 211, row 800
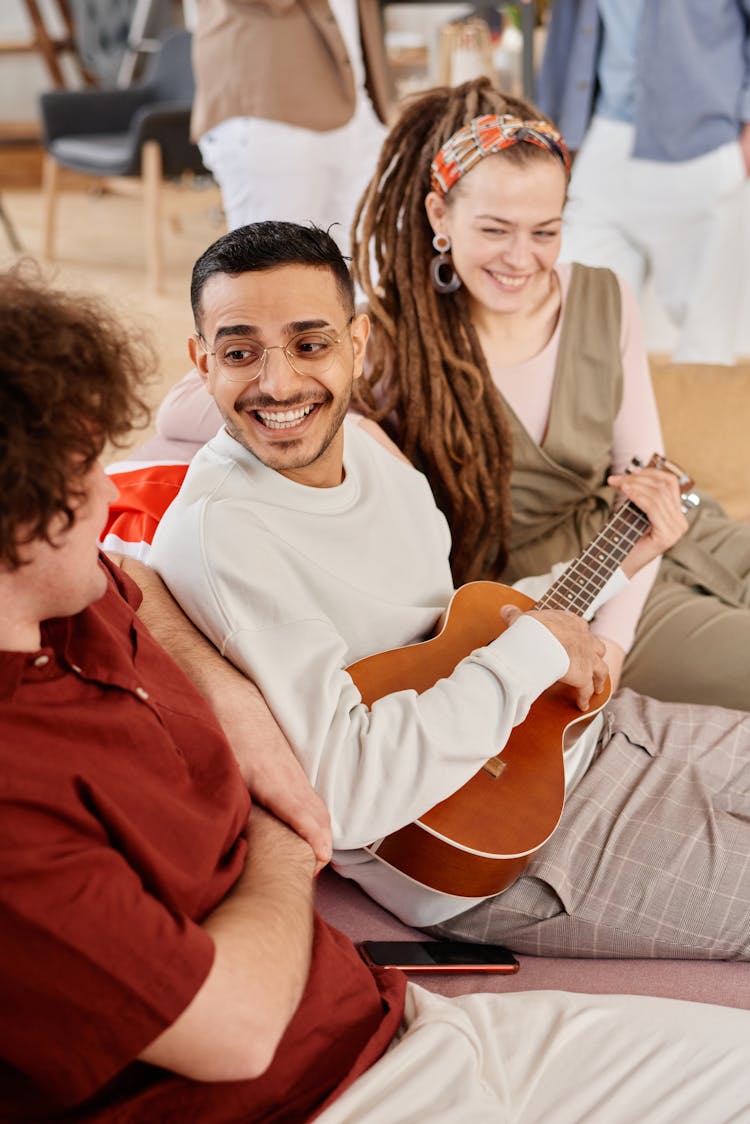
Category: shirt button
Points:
column 41, row 661
column 141, row 693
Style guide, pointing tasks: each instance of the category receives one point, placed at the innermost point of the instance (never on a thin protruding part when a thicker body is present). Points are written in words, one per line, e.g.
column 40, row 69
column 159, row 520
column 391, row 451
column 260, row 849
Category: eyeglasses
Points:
column 308, row 353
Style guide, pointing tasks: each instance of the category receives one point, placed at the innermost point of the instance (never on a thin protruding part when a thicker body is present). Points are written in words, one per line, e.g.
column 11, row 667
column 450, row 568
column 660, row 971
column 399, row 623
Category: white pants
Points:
column 683, row 226
column 271, row 170
column 552, row 1057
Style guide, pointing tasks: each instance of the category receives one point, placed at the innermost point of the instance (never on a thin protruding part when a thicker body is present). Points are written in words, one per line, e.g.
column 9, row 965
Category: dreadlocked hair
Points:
column 427, row 379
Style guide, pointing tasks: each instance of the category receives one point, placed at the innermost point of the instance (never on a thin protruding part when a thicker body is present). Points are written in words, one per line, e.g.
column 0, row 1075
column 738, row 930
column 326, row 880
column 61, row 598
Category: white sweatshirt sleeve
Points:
column 376, row 768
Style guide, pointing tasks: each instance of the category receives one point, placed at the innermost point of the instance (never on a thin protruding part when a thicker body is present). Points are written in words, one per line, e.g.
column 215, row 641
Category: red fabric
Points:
column 145, row 494
column 120, row 829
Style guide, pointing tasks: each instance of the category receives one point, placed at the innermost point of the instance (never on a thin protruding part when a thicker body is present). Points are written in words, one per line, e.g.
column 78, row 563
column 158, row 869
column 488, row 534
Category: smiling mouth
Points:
column 284, row 419
column 510, row 281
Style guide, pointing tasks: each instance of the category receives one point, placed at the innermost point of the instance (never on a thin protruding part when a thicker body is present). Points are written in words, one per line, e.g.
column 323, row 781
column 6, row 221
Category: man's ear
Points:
column 360, row 333
column 434, row 205
column 199, row 358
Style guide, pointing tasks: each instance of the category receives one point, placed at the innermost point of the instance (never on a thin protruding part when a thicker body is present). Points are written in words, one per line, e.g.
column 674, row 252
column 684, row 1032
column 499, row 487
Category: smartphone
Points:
column 438, row 956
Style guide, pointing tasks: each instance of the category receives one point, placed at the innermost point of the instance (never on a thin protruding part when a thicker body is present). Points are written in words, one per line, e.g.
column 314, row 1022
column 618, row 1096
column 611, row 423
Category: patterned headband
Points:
column 485, row 135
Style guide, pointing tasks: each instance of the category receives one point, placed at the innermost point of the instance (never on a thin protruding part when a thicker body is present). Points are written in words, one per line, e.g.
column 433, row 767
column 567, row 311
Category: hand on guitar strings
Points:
column 657, row 493
column 587, row 669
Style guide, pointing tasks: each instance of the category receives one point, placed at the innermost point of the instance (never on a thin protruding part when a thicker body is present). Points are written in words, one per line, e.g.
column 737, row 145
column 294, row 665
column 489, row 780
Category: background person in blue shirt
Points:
column 657, row 99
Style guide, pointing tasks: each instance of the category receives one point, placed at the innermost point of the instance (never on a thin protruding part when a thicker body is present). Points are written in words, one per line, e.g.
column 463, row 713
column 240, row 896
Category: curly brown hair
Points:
column 71, row 379
column 427, row 379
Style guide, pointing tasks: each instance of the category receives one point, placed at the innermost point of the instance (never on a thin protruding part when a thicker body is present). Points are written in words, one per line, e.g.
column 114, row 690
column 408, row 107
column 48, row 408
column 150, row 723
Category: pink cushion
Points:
column 346, row 907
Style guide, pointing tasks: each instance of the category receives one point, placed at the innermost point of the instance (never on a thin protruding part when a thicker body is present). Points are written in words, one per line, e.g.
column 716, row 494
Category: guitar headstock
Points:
column 689, row 498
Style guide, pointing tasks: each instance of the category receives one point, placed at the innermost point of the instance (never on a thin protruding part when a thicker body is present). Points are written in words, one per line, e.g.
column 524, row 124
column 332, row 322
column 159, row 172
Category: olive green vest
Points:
column 558, row 495
column 558, row 499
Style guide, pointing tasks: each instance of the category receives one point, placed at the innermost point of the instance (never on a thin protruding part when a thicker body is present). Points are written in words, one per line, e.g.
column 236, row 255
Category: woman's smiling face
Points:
column 504, row 220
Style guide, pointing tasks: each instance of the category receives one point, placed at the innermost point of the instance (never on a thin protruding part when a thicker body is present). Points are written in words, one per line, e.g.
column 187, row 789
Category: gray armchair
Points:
column 131, row 137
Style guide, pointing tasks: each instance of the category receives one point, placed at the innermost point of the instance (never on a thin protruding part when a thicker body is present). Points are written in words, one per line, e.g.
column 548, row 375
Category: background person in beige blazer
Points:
column 291, row 100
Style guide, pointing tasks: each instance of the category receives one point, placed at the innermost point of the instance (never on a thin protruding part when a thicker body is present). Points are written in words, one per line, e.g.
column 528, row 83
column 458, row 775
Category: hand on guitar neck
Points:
column 657, row 492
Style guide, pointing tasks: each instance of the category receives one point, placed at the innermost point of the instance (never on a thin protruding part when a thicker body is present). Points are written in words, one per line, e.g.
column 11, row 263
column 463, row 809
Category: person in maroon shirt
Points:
column 161, row 956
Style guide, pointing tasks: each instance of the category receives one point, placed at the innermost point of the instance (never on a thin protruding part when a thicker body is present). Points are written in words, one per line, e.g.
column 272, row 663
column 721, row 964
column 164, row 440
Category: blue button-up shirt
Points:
column 618, row 58
column 692, row 76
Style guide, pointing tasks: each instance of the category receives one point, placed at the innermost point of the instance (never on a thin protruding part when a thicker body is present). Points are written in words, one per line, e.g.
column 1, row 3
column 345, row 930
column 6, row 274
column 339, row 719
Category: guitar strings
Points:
column 580, row 583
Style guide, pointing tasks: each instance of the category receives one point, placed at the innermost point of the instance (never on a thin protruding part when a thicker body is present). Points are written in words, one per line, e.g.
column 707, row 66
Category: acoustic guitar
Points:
column 477, row 841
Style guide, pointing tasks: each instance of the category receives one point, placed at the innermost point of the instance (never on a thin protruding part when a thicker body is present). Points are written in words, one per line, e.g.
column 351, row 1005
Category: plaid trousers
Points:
column 652, row 855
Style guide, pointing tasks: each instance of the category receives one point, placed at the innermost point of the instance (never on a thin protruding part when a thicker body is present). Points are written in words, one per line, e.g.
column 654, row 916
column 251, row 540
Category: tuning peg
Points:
column 689, row 499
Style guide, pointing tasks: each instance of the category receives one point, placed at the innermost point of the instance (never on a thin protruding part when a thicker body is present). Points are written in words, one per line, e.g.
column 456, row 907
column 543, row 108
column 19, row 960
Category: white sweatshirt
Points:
column 294, row 583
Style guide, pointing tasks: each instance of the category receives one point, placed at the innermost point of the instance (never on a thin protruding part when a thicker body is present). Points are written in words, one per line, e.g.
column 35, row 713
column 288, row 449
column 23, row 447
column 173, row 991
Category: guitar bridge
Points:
column 494, row 767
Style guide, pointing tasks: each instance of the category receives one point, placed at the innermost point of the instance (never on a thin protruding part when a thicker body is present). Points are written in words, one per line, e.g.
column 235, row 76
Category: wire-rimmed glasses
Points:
column 310, row 352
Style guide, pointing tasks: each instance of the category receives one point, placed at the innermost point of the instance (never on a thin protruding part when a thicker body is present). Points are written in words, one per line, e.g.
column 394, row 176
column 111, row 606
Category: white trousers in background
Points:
column 553, row 1057
column 271, row 170
column 683, row 226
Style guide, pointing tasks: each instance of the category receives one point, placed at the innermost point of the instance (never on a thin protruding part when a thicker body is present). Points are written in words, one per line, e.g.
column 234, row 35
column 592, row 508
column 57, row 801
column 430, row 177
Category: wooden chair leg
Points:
column 9, row 228
column 50, row 187
column 151, row 170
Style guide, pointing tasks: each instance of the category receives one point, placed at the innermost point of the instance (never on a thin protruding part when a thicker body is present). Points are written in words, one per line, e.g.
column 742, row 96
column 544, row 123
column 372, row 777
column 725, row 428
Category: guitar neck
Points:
column 584, row 579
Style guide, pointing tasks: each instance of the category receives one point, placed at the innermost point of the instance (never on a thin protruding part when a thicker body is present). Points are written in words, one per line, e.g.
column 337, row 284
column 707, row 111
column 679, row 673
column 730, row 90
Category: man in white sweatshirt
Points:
column 300, row 543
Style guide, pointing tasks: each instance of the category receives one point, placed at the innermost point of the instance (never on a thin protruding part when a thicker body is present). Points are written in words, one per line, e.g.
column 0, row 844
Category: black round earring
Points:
column 442, row 272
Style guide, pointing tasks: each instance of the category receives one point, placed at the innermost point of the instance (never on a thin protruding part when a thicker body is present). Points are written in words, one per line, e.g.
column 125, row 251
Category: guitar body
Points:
column 477, row 842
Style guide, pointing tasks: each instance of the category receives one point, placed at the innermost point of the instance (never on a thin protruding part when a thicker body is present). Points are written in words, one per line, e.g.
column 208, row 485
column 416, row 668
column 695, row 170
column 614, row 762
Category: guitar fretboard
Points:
column 584, row 579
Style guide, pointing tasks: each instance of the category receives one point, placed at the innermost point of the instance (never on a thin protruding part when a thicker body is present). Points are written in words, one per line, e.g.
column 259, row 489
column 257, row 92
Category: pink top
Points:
column 527, row 387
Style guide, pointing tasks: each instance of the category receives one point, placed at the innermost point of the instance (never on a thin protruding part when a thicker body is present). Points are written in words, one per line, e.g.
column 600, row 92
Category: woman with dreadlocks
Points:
column 518, row 384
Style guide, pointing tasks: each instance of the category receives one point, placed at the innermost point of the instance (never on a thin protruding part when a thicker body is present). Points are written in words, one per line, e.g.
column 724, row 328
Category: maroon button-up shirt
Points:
column 121, row 821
